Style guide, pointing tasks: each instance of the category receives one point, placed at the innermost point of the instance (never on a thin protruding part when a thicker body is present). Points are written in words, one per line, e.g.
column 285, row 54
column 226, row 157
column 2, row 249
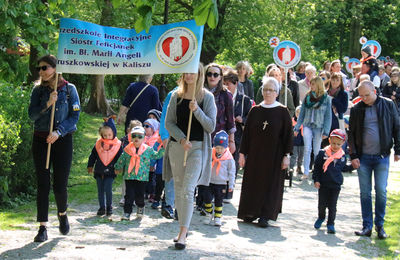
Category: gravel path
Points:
column 291, row 237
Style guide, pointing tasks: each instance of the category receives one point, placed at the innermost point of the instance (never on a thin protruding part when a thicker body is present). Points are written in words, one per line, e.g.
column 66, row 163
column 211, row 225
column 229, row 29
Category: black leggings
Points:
column 159, row 187
column 134, row 193
column 60, row 161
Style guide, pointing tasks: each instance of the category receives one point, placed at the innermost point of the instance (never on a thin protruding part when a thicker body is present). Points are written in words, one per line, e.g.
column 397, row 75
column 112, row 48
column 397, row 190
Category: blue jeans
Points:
column 380, row 167
column 104, row 185
column 169, row 193
column 312, row 138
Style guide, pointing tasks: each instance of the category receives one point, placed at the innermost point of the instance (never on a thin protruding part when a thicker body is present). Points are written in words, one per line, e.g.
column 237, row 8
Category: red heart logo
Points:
column 286, row 57
column 175, row 48
column 375, row 49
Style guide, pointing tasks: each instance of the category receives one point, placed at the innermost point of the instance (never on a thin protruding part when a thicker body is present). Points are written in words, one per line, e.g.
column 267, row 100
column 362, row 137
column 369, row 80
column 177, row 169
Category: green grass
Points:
column 81, row 186
column 391, row 245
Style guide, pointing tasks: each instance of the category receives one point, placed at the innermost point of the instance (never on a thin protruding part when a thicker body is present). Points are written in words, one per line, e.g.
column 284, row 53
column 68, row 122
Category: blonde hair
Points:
column 102, row 129
column 132, row 124
column 199, row 91
column 246, row 65
column 320, row 91
column 364, row 77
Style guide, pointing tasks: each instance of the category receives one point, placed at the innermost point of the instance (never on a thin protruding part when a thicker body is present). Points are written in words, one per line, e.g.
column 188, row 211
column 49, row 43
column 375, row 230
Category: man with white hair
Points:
column 374, row 127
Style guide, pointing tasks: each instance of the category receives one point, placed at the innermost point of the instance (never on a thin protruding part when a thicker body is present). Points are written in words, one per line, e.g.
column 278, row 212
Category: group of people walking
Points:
column 211, row 125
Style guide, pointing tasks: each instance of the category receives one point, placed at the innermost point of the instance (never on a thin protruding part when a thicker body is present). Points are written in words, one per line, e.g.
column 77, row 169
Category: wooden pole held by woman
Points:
column 53, row 108
column 189, row 129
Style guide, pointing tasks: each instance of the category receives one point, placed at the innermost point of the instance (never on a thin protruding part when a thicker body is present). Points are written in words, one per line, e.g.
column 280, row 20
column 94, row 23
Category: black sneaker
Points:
column 64, row 224
column 101, row 211
column 109, row 211
column 167, row 212
column 42, row 235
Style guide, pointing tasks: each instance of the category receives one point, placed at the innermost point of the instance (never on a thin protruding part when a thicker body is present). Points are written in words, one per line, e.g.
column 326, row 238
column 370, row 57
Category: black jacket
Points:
column 100, row 170
column 241, row 108
column 294, row 87
column 389, row 127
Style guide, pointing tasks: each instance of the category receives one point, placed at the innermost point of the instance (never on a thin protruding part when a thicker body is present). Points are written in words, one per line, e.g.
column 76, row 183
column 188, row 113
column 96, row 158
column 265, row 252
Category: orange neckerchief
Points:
column 368, row 58
column 135, row 157
column 328, row 151
column 294, row 123
column 225, row 156
column 107, row 149
column 151, row 140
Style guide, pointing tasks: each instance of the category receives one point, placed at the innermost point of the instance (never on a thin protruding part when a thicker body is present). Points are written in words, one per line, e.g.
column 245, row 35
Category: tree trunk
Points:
column 33, row 58
column 355, row 29
column 98, row 102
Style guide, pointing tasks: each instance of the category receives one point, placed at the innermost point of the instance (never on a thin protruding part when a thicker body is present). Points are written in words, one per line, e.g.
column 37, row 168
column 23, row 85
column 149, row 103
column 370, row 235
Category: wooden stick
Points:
column 189, row 128
column 53, row 108
column 286, row 85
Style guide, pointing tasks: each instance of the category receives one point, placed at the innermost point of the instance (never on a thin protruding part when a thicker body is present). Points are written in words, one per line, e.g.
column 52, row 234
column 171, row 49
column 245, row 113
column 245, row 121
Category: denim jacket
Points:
column 66, row 111
column 320, row 117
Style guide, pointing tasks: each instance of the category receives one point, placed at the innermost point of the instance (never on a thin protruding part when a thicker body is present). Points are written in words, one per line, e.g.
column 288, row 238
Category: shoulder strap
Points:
column 68, row 90
column 139, row 95
column 242, row 105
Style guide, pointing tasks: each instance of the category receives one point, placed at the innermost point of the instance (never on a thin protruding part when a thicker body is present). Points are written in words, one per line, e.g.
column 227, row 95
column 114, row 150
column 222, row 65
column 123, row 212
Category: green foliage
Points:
column 207, row 12
column 16, row 174
column 391, row 245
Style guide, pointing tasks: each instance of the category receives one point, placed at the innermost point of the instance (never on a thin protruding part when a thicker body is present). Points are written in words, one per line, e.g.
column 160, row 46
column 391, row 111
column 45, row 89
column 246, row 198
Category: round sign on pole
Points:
column 351, row 63
column 363, row 40
column 273, row 41
column 287, row 54
column 374, row 46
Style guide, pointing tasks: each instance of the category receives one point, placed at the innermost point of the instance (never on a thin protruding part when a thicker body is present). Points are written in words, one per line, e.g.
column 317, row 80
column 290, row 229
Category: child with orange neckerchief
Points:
column 223, row 170
column 328, row 178
column 151, row 129
column 104, row 155
column 135, row 164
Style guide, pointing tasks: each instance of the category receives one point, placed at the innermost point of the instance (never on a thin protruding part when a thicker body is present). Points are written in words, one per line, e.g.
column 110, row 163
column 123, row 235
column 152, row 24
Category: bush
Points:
column 16, row 164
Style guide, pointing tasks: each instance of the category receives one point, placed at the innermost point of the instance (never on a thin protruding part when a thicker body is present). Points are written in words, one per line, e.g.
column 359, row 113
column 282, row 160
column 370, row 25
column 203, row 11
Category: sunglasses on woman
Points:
column 42, row 68
column 210, row 74
column 137, row 136
column 146, row 126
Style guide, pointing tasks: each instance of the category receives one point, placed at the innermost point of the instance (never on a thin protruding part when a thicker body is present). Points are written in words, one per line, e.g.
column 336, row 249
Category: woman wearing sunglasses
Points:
column 67, row 109
column 225, row 117
column 198, row 145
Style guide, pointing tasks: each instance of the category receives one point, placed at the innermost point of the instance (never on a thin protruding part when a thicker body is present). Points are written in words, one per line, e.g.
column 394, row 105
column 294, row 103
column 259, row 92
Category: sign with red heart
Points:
column 351, row 63
column 374, row 46
column 287, row 54
column 176, row 47
column 184, row 46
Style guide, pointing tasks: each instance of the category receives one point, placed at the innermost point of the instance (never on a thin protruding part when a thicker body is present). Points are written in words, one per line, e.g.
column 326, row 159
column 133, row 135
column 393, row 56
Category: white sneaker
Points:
column 217, row 222
column 126, row 216
column 122, row 202
column 208, row 219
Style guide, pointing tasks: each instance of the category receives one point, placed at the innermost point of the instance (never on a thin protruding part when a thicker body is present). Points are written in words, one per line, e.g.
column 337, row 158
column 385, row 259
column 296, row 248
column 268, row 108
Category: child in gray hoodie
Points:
column 223, row 171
